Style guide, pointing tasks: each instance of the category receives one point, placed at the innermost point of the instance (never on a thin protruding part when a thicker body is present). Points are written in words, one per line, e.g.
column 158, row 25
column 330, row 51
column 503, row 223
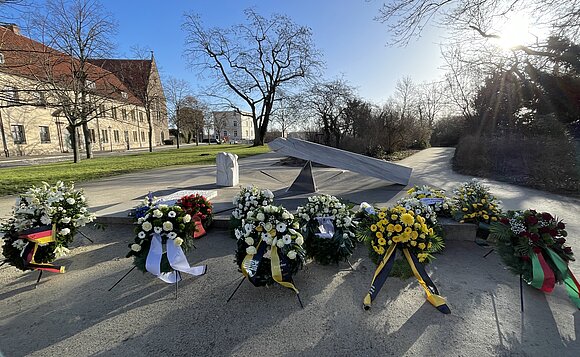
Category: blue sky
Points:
column 353, row 44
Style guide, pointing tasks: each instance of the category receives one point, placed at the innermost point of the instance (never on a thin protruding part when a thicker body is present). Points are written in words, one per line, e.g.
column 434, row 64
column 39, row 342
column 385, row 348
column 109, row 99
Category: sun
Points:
column 515, row 31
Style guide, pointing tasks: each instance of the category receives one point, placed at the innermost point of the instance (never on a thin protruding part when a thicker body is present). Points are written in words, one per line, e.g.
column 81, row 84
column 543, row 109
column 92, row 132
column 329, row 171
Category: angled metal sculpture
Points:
column 341, row 159
column 304, row 182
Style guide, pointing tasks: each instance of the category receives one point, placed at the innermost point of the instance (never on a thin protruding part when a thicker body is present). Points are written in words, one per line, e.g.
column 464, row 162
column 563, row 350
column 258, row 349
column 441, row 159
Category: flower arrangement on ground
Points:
column 533, row 245
column 475, row 204
column 390, row 229
column 250, row 198
column 197, row 205
column 54, row 212
column 329, row 229
column 419, row 208
column 161, row 225
column 270, row 246
column 441, row 204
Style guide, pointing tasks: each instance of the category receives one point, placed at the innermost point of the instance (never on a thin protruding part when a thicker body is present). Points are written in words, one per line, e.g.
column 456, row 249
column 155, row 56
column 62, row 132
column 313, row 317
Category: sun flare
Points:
column 515, row 31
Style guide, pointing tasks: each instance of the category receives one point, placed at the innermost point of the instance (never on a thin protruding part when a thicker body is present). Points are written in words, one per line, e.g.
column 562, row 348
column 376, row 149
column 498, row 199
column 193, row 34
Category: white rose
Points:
column 186, row 218
column 64, row 231
column 268, row 226
column 260, row 217
column 147, row 226
column 167, row 226
column 299, row 240
column 157, row 213
column 135, row 247
column 249, row 241
column 70, row 201
column 285, row 215
column 251, row 250
column 178, row 241
column 291, row 255
column 280, row 243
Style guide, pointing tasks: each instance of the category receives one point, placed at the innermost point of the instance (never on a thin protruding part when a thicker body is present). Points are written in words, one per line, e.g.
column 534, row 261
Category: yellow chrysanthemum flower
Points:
column 394, row 217
column 414, row 235
column 408, row 230
column 485, row 216
column 382, row 241
column 373, row 228
column 379, row 235
column 382, row 215
column 381, row 250
column 407, row 219
column 396, row 239
column 464, row 209
column 390, row 228
column 421, row 246
column 413, row 243
column 398, row 228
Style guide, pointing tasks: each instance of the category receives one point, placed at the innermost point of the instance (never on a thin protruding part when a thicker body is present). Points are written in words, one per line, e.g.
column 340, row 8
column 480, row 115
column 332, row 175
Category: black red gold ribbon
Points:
column 278, row 264
column 35, row 237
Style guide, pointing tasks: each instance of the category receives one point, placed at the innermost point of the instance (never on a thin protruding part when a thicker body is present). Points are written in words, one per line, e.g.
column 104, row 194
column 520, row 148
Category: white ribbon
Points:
column 326, row 227
column 177, row 260
column 431, row 201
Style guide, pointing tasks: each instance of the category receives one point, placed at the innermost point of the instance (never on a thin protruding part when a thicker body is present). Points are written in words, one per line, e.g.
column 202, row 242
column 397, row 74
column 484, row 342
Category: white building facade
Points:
column 233, row 127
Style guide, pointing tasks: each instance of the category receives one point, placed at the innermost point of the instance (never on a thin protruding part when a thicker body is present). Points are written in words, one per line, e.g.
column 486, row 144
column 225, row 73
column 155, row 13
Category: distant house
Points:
column 232, row 126
column 31, row 115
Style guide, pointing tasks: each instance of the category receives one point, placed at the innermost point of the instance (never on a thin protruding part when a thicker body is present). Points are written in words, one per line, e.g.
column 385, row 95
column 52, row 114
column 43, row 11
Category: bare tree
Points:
column 253, row 60
column 177, row 91
column 220, row 121
column 192, row 118
column 289, row 112
column 79, row 30
column 406, row 19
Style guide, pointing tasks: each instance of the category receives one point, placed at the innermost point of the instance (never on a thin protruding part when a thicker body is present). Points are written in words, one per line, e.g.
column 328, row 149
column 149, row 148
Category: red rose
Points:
column 543, row 230
column 567, row 250
column 532, row 220
column 537, row 249
column 553, row 232
column 546, row 216
column 560, row 240
column 504, row 220
column 534, row 237
column 561, row 225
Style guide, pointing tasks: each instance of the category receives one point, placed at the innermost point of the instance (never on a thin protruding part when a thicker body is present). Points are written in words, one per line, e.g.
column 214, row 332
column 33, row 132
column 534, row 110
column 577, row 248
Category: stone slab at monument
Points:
column 227, row 169
column 172, row 198
column 341, row 159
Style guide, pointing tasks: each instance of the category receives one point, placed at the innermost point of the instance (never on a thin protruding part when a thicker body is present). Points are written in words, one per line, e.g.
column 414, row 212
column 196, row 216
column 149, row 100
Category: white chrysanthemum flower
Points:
column 70, row 201
column 238, row 233
column 135, row 247
column 19, row 244
column 141, row 235
column 260, row 217
column 147, row 226
column 171, row 214
column 291, row 255
column 167, row 226
column 65, row 220
column 157, row 230
column 281, row 227
column 287, row 239
column 171, row 235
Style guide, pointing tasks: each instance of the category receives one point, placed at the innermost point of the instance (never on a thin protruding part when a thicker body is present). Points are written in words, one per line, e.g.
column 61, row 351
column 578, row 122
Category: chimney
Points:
column 13, row 27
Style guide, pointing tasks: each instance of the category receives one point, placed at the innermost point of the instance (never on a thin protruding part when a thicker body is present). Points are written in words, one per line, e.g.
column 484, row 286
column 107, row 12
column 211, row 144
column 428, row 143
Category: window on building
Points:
column 90, row 84
column 105, row 136
column 124, row 95
column 92, row 134
column 132, row 114
column 235, row 133
column 116, row 135
column 142, row 135
column 124, row 114
column 162, row 136
column 11, row 94
column 44, row 134
column 18, row 134
column 225, row 133
column 135, row 136
column 235, row 123
column 114, row 112
column 1, row 58
column 102, row 110
column 141, row 116
column 40, row 98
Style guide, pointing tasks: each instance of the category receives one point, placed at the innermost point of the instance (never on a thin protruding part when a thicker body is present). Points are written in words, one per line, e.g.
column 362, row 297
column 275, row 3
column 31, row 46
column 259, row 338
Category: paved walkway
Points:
column 75, row 315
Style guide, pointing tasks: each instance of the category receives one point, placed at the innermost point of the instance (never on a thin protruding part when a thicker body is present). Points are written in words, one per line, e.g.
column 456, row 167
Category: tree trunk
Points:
column 88, row 141
column 149, row 122
column 72, row 130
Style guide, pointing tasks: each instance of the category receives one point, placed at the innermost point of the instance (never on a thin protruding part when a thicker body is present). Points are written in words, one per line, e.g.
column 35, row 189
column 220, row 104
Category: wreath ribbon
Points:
column 421, row 275
column 38, row 236
column 177, row 260
column 543, row 277
column 278, row 266
column 572, row 285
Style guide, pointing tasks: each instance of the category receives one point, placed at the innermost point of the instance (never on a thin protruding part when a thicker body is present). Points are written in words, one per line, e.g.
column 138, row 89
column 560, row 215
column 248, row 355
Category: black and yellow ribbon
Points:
column 278, row 265
column 38, row 236
column 421, row 275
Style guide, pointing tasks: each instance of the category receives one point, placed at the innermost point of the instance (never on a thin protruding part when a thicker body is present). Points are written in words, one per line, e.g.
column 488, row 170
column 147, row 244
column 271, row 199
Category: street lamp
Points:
column 111, row 138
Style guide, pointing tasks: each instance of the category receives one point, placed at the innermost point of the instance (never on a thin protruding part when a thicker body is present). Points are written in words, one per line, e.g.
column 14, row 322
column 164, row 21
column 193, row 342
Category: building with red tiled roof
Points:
column 126, row 99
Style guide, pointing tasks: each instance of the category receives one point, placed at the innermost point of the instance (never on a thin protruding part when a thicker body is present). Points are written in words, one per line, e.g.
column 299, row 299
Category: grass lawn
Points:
column 18, row 179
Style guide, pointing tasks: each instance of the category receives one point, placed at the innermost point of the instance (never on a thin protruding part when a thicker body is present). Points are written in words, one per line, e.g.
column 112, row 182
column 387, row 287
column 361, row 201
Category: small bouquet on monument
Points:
column 200, row 209
column 270, row 247
column 441, row 204
column 475, row 204
column 389, row 230
column 44, row 222
column 329, row 229
column 144, row 206
column 163, row 236
column 533, row 245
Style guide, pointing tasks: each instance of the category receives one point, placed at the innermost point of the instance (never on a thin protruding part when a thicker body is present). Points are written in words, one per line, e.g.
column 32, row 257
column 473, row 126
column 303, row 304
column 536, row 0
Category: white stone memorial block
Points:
column 228, row 172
